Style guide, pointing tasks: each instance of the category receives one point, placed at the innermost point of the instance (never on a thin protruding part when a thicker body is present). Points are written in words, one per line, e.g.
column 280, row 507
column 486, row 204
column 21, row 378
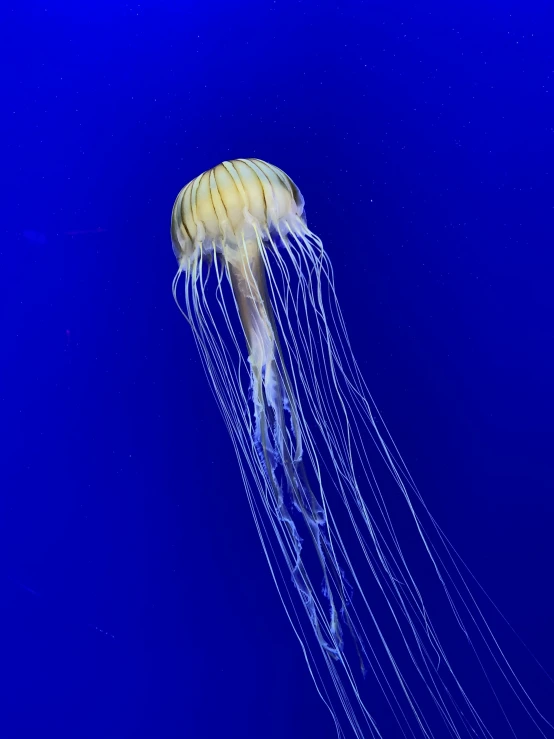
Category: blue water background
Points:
column 135, row 598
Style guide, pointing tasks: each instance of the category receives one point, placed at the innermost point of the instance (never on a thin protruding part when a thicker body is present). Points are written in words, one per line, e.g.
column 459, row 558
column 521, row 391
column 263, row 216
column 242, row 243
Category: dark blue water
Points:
column 135, row 598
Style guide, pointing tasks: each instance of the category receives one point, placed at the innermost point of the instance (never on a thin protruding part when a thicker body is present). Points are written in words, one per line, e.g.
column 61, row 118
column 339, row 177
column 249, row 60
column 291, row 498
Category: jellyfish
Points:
column 331, row 497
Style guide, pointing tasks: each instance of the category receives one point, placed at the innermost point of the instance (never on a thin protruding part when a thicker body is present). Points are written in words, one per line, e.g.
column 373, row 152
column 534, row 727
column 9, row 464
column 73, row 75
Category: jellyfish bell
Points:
column 233, row 204
column 324, row 480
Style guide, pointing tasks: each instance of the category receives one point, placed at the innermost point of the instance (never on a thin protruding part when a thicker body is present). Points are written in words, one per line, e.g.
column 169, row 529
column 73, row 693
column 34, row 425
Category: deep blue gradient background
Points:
column 135, row 599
